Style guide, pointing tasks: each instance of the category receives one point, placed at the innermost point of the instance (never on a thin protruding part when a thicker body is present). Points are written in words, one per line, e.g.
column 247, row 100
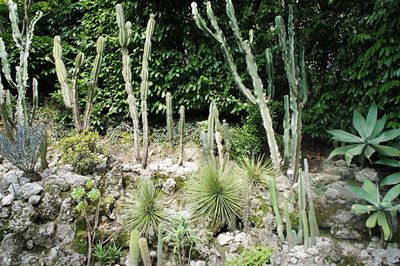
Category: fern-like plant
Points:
column 142, row 209
column 23, row 151
column 217, row 193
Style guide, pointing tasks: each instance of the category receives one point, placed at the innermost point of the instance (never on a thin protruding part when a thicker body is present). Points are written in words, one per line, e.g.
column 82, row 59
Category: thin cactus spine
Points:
column 144, row 251
column 144, row 88
column 170, row 121
column 181, row 133
column 134, row 248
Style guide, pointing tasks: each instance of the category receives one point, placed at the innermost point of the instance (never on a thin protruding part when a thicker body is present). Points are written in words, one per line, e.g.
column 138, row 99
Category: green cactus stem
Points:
column 160, row 245
column 144, row 251
column 289, row 233
column 170, row 121
column 274, row 201
column 134, row 248
column 181, row 133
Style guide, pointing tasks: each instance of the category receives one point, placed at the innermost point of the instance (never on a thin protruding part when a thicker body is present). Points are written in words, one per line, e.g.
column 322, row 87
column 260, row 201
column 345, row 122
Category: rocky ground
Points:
column 39, row 223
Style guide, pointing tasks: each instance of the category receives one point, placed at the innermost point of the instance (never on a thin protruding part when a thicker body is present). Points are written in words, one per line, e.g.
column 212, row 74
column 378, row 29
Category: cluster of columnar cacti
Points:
column 124, row 40
column 23, row 117
column 181, row 133
column 138, row 246
column 170, row 121
column 293, row 103
column 308, row 227
column 257, row 96
column 69, row 85
column 217, row 136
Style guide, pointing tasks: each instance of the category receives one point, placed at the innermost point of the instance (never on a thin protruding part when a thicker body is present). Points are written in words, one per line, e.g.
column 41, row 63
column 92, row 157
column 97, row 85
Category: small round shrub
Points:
column 82, row 151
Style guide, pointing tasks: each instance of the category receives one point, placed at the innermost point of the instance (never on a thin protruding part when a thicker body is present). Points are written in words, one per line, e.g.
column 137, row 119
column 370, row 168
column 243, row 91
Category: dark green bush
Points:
column 82, row 151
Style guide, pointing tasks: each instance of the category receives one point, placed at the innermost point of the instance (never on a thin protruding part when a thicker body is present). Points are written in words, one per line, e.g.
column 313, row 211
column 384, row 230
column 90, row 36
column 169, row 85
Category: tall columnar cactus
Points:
column 289, row 233
column 274, row 201
column 144, row 251
column 258, row 95
column 227, row 137
column 124, row 40
column 170, row 121
column 303, row 216
column 23, row 117
column 134, row 248
column 160, row 245
column 69, row 85
column 294, row 104
column 181, row 133
column 144, row 88
column 314, row 231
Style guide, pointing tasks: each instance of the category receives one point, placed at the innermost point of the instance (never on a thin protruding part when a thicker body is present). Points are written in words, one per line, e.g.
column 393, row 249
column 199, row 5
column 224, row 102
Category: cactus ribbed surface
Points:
column 210, row 129
column 289, row 233
column 124, row 40
column 170, row 121
column 314, row 231
column 144, row 251
column 144, row 88
column 227, row 137
column 257, row 96
column 160, row 245
column 297, row 80
column 181, row 132
column 274, row 201
column 134, row 248
column 69, row 86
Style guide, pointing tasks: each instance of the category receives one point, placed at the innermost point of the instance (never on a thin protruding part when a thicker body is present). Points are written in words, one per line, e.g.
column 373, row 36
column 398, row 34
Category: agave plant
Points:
column 217, row 193
column 24, row 150
column 369, row 139
column 257, row 170
column 142, row 209
column 378, row 208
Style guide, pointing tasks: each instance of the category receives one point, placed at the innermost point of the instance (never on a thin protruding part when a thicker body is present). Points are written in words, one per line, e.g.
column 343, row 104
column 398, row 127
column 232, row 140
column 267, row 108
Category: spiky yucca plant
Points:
column 217, row 193
column 257, row 170
column 142, row 209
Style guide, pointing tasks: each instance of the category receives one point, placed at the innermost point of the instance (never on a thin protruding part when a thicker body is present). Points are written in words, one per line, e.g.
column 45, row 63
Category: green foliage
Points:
column 107, row 254
column 142, row 209
column 24, row 150
column 245, row 142
column 393, row 178
column 255, row 256
column 182, row 236
column 217, row 193
column 258, row 170
column 378, row 208
column 82, row 151
column 369, row 139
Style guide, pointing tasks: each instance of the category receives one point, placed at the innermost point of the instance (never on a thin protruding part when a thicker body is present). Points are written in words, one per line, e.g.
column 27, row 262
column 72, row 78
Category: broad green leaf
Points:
column 389, row 162
column 372, row 190
column 372, row 220
column 386, row 136
column 379, row 126
column 386, row 150
column 384, row 224
column 344, row 136
column 369, row 150
column 394, row 208
column 342, row 150
column 354, row 152
column 359, row 124
column 393, row 193
column 362, row 209
column 371, row 120
column 361, row 193
column 392, row 179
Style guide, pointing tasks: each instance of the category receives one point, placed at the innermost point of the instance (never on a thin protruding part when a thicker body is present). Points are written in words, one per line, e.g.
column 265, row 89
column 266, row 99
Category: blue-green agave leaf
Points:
column 392, row 179
column 359, row 124
column 370, row 122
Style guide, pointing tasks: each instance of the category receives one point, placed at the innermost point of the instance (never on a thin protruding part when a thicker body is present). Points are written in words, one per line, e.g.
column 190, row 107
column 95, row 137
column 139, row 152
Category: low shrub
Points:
column 256, row 256
column 82, row 151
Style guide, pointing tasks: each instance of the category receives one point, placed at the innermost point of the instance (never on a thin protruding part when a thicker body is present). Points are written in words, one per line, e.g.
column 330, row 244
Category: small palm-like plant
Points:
column 257, row 170
column 217, row 193
column 142, row 209
column 369, row 139
column 378, row 208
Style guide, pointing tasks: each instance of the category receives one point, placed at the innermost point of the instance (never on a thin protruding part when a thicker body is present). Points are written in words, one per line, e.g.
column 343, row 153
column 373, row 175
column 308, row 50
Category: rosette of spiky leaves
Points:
column 142, row 209
column 217, row 193
column 24, row 150
column 257, row 169
column 369, row 139
column 378, row 208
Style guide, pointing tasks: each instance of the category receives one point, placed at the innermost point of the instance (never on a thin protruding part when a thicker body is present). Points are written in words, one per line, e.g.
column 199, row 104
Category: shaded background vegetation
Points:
column 352, row 52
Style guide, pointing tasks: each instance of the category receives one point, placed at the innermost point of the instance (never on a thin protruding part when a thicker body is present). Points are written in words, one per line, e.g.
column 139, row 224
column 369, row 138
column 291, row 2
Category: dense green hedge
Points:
column 352, row 53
